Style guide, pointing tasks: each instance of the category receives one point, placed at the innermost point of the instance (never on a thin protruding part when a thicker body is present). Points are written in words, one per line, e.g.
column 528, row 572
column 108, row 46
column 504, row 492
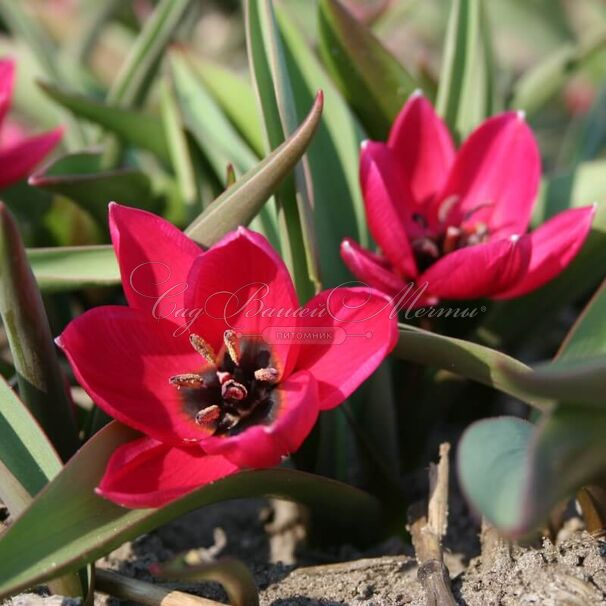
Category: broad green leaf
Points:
column 59, row 269
column 85, row 526
column 372, row 80
column 515, row 474
column 132, row 81
column 243, row 200
column 133, row 127
column 236, row 98
column 465, row 358
column 333, row 156
column 493, row 462
column 41, row 384
column 540, row 83
column 78, row 177
column 466, row 90
column 275, row 93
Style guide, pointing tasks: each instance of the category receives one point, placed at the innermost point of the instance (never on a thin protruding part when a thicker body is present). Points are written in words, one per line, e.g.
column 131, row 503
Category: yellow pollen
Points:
column 203, row 348
column 233, row 346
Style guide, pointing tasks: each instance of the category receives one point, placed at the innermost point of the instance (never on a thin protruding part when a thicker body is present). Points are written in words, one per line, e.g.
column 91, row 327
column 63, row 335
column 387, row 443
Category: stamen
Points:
column 203, row 348
column 233, row 346
column 267, row 375
column 451, row 239
column 475, row 209
column 232, row 390
column 187, row 380
column 445, row 208
column 209, row 415
column 229, row 421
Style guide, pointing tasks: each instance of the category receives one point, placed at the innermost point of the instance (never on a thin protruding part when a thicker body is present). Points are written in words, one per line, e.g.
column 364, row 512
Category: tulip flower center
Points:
column 234, row 390
column 428, row 248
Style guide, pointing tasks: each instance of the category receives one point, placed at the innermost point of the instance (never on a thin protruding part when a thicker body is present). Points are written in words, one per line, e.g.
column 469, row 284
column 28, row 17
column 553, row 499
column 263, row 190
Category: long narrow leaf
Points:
column 85, row 526
column 41, row 384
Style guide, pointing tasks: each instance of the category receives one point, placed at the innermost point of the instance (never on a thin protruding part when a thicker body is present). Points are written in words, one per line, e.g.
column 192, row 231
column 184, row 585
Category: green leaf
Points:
column 515, row 476
column 41, row 385
column 465, row 358
column 133, row 79
column 78, row 177
column 272, row 83
column 581, row 380
column 215, row 135
column 85, row 526
column 236, row 98
column 372, row 80
column 179, row 151
column 493, row 468
column 243, row 200
column 25, row 453
column 60, row 269
column 466, row 90
column 333, row 155
column 540, row 83
column 134, row 127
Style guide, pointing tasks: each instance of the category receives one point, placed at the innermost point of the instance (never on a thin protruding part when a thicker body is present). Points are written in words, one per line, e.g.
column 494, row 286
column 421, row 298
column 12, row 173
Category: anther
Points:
column 203, row 348
column 209, row 415
column 232, row 390
column 267, row 375
column 233, row 346
column 187, row 380
column 445, row 208
column 451, row 239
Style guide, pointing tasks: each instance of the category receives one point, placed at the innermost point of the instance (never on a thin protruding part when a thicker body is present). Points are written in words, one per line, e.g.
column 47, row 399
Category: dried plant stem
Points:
column 427, row 530
column 125, row 588
column 494, row 546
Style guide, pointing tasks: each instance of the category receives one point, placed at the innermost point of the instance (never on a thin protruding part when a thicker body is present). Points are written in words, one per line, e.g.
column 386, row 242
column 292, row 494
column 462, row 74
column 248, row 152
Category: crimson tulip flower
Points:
column 213, row 359
column 19, row 154
column 454, row 223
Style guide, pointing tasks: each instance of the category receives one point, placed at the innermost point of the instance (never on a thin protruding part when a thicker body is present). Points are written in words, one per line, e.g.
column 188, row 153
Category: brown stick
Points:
column 427, row 531
column 126, row 588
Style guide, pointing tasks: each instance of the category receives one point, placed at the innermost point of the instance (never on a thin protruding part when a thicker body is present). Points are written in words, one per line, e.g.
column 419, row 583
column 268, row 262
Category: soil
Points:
column 570, row 571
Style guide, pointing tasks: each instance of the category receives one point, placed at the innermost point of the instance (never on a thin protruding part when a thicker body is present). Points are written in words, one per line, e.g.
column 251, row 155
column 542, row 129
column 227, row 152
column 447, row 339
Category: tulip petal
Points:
column 155, row 259
column 423, row 148
column 124, row 359
column 296, row 411
column 371, row 269
column 19, row 159
column 553, row 246
column 389, row 206
column 363, row 329
column 7, row 83
column 478, row 271
column 148, row 473
column 495, row 177
column 242, row 284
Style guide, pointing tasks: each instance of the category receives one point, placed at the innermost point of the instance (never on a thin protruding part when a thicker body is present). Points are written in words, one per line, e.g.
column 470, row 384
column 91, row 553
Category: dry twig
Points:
column 427, row 530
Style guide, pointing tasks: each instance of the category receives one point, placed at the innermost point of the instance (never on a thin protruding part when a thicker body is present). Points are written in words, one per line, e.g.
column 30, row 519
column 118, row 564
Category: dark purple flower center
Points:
column 234, row 390
column 429, row 247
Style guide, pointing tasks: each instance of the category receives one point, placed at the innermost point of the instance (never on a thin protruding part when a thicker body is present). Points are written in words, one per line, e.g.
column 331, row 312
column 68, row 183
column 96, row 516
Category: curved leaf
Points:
column 41, row 384
column 85, row 526
column 465, row 358
column 241, row 202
